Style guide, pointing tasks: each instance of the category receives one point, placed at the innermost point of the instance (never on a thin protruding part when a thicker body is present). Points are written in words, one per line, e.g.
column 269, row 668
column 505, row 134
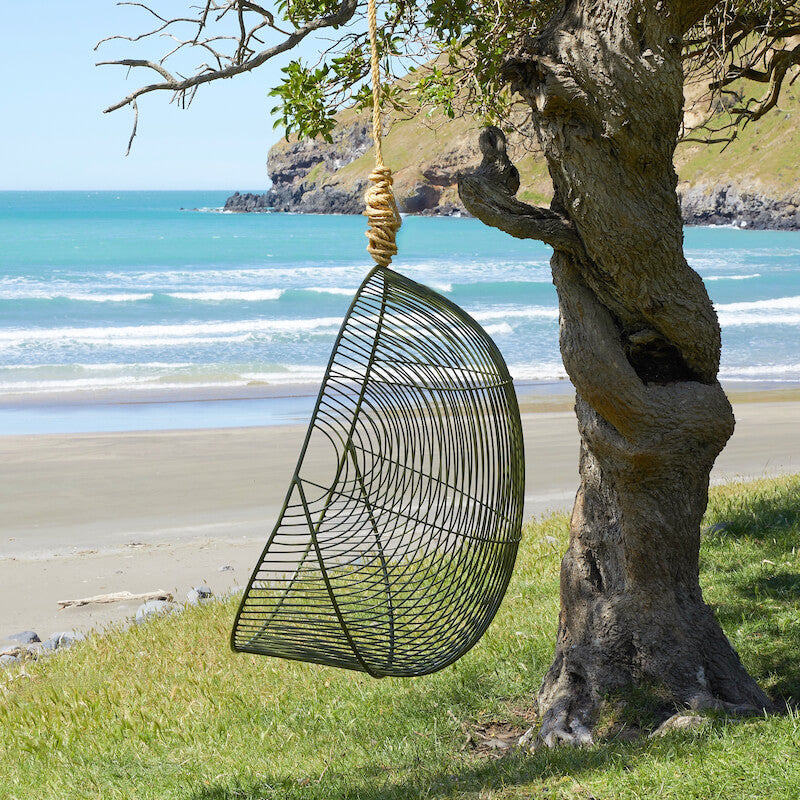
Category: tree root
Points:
column 571, row 714
column 565, row 729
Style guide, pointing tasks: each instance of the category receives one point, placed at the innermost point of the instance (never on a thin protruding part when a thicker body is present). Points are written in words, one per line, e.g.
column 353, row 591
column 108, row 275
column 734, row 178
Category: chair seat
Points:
column 400, row 528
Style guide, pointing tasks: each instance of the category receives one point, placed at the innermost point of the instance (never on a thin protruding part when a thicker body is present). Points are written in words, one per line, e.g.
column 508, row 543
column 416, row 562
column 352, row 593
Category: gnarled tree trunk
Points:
column 641, row 344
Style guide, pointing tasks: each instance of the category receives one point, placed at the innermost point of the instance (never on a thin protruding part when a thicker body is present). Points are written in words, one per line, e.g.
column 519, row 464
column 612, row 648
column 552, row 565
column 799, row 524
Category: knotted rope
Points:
column 381, row 210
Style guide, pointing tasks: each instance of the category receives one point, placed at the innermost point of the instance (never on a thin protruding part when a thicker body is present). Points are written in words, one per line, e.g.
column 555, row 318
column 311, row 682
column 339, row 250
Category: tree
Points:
column 603, row 80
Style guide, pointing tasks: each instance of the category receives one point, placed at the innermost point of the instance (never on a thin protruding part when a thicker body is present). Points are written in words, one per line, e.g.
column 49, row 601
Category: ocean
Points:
column 116, row 305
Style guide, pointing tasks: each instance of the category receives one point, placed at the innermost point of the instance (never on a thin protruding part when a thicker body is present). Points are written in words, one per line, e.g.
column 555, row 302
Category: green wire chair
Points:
column 400, row 528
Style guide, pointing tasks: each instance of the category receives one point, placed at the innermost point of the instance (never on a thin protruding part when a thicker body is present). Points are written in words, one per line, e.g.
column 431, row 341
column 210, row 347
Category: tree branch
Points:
column 780, row 63
column 135, row 107
column 339, row 17
column 594, row 353
column 752, row 43
column 140, row 62
column 589, row 337
column 488, row 194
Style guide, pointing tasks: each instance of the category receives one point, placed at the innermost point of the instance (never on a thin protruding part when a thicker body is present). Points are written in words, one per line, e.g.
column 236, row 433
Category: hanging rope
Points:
column 381, row 210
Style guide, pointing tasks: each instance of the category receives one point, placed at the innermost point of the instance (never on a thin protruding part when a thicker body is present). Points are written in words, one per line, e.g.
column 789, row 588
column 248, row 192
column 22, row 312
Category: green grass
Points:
column 165, row 710
column 763, row 157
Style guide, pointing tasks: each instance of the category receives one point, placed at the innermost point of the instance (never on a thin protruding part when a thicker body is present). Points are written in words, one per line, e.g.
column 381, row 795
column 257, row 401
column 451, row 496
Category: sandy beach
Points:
column 88, row 514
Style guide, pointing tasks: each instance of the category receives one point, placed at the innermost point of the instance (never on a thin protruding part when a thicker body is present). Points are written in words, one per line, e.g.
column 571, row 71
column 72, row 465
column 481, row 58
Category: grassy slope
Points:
column 165, row 710
column 762, row 158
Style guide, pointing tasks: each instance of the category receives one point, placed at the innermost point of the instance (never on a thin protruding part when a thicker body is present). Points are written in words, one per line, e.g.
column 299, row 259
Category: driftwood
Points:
column 117, row 597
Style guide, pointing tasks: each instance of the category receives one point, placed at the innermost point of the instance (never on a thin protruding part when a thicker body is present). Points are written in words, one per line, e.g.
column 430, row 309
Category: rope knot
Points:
column 384, row 218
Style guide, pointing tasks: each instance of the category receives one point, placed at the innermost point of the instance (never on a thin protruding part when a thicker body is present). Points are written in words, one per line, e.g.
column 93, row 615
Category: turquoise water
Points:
column 109, row 295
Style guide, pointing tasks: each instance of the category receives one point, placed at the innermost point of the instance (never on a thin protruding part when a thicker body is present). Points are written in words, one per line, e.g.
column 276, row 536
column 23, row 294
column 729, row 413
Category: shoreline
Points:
column 274, row 405
column 191, row 408
column 95, row 513
column 702, row 205
column 220, row 392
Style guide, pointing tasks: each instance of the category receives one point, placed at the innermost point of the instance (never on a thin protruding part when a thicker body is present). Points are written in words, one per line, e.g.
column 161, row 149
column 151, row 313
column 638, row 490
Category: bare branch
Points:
column 488, row 194
column 239, row 63
column 167, row 23
column 135, row 106
column 737, row 44
column 494, row 207
column 140, row 62
column 259, row 10
column 142, row 35
column 148, row 10
column 751, row 43
column 780, row 63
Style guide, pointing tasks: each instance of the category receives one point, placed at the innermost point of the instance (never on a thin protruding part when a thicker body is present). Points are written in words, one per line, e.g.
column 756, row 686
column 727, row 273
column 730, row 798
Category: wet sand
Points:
column 86, row 514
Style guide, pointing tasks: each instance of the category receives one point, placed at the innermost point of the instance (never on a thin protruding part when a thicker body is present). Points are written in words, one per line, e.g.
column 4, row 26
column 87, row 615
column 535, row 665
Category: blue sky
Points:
column 53, row 134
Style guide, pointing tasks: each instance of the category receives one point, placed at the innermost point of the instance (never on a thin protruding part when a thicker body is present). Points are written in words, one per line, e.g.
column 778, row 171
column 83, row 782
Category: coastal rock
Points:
column 290, row 162
column 314, row 177
column 63, row 639
column 24, row 637
column 424, row 197
column 34, row 649
column 700, row 205
column 445, row 209
column 302, row 172
column 307, row 198
column 247, row 202
column 152, row 608
column 743, row 208
column 198, row 594
column 317, row 177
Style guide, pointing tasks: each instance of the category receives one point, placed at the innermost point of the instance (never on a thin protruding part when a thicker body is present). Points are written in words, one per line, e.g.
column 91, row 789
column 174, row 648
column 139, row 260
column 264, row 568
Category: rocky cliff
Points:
column 303, row 173
column 753, row 183
column 330, row 178
column 321, row 177
column 730, row 205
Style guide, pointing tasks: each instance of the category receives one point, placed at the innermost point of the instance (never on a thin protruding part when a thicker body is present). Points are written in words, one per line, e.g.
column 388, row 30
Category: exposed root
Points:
column 706, row 702
column 640, row 687
column 568, row 726
column 562, row 731
column 565, row 729
column 678, row 722
column 568, row 720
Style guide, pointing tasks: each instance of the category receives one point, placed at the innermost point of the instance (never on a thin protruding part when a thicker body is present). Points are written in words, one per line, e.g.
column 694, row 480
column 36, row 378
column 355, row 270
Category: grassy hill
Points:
column 426, row 154
column 764, row 157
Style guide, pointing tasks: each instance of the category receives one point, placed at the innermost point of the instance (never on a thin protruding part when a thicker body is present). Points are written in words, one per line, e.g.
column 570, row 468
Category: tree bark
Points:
column 641, row 344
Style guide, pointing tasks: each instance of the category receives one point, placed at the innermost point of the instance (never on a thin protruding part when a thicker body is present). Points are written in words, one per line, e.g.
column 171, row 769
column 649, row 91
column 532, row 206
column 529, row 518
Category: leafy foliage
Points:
column 448, row 56
column 302, row 107
column 299, row 12
column 441, row 57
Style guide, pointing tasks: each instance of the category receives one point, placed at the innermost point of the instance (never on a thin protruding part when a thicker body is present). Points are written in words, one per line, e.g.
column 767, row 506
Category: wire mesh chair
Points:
column 400, row 528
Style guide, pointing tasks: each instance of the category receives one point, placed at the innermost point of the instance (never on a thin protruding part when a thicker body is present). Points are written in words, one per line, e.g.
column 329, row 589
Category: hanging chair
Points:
column 400, row 528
